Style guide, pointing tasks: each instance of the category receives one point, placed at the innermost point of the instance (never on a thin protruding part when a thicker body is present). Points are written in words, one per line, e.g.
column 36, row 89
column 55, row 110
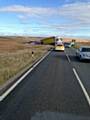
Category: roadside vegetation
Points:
column 15, row 56
column 79, row 44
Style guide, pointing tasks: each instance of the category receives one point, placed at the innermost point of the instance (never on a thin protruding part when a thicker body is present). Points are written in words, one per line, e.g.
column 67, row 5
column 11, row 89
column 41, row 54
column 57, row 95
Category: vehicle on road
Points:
column 59, row 46
column 67, row 45
column 83, row 53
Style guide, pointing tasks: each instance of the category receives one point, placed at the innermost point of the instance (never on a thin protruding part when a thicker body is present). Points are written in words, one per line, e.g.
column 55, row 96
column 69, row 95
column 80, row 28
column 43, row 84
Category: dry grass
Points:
column 78, row 44
column 15, row 56
column 79, row 40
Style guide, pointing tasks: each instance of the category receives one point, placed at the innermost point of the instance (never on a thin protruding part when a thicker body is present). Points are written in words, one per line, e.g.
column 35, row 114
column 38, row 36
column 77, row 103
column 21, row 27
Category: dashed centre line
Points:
column 79, row 81
column 82, row 87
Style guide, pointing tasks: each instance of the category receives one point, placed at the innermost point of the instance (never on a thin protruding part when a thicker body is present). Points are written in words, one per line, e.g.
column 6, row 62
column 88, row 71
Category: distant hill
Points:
column 32, row 38
column 21, row 38
column 77, row 40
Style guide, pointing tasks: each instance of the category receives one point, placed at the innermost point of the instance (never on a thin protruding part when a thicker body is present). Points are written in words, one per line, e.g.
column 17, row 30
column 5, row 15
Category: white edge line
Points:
column 4, row 95
column 82, row 87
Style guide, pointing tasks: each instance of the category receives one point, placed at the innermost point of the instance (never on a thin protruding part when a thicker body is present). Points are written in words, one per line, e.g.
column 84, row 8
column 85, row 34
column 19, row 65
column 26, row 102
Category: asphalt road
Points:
column 82, row 67
column 50, row 92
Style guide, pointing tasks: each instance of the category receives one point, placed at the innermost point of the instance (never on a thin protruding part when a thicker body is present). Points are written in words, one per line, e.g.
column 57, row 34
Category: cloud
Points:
column 23, row 17
column 76, row 1
column 28, row 10
column 78, row 13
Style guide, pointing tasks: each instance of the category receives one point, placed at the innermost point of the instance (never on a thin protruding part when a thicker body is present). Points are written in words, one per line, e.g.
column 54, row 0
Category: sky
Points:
column 45, row 17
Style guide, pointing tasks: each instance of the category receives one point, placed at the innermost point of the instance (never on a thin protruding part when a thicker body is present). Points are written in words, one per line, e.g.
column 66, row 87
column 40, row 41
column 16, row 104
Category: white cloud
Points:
column 28, row 10
column 79, row 13
column 76, row 1
column 23, row 17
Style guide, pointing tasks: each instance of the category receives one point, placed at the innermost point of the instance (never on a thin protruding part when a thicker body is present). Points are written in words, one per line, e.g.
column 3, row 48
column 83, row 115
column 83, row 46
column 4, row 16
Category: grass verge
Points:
column 15, row 57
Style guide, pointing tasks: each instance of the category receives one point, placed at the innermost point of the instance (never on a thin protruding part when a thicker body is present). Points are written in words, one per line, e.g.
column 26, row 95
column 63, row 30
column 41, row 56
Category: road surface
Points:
column 83, row 68
column 50, row 92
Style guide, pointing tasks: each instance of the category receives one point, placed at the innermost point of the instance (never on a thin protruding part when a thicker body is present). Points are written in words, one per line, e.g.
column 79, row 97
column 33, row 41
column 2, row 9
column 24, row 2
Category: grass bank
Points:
column 15, row 56
column 79, row 44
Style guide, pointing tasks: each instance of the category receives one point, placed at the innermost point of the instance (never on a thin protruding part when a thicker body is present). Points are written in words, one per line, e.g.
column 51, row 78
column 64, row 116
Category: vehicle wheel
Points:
column 80, row 58
column 77, row 56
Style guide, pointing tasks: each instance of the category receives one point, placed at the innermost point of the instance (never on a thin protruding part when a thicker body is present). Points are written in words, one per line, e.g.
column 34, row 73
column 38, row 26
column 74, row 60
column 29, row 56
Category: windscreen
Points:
column 60, row 45
column 85, row 49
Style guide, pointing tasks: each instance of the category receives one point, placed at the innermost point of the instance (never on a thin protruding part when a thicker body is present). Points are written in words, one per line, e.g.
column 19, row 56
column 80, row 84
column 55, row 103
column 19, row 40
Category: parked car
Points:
column 83, row 53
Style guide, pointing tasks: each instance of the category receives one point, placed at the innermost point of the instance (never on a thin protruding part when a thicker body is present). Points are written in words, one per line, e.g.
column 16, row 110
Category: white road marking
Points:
column 67, row 57
column 4, row 95
column 82, row 87
column 80, row 82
